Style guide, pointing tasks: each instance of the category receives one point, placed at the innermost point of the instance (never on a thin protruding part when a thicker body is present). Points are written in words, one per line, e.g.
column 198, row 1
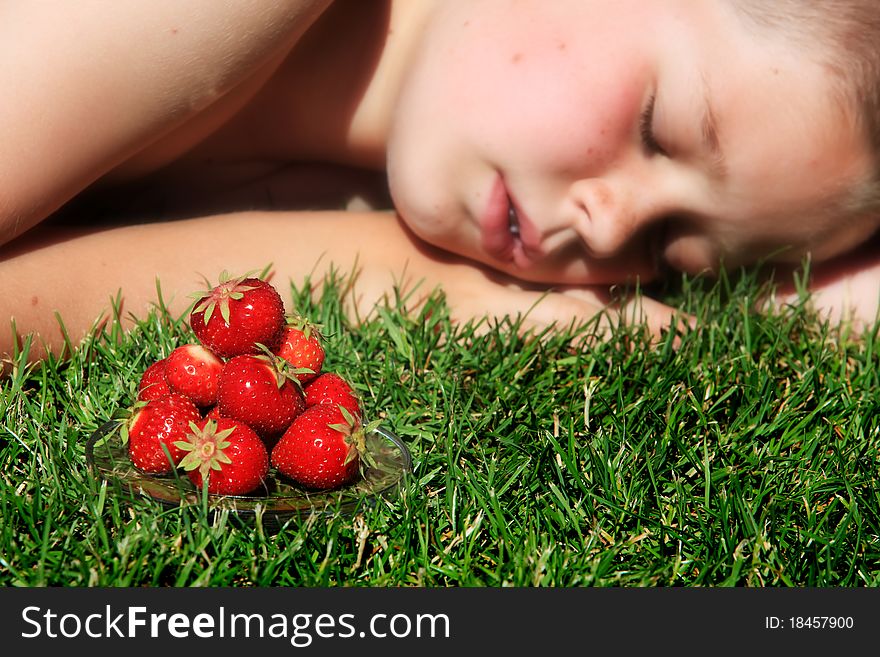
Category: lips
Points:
column 506, row 231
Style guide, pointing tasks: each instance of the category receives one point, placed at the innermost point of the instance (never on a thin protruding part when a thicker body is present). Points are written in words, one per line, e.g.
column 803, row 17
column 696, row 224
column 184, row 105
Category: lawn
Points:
column 743, row 453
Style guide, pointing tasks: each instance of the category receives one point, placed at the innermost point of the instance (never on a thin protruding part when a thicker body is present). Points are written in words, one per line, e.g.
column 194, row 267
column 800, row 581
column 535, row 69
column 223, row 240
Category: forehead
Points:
column 792, row 141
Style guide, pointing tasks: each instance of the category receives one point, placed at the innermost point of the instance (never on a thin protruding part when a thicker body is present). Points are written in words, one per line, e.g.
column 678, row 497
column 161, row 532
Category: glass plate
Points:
column 278, row 500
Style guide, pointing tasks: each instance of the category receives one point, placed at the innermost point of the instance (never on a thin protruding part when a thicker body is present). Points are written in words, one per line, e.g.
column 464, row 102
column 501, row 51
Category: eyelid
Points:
column 646, row 129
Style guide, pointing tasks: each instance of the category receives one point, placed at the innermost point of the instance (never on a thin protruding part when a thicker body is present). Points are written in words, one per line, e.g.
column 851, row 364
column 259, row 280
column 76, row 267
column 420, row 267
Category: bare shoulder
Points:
column 112, row 78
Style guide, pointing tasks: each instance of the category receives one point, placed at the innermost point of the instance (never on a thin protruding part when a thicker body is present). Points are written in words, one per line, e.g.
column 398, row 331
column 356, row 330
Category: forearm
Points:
column 89, row 84
column 845, row 290
column 76, row 274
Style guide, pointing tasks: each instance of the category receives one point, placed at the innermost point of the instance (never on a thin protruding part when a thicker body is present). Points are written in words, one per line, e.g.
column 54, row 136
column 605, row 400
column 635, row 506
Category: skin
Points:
column 550, row 96
column 304, row 104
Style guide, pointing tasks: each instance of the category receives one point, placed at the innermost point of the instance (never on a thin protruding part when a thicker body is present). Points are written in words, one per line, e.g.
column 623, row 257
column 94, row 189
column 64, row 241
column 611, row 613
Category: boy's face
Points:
column 581, row 141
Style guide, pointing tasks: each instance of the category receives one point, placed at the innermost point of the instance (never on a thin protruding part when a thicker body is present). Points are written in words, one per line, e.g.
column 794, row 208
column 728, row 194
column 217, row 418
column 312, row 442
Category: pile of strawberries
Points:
column 250, row 394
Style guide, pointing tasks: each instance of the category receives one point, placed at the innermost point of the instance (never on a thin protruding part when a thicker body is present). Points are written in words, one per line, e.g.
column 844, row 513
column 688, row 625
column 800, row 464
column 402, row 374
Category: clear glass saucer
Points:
column 278, row 500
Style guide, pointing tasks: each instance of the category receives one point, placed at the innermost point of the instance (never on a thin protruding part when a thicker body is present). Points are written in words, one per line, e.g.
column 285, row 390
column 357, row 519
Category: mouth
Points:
column 512, row 221
column 507, row 234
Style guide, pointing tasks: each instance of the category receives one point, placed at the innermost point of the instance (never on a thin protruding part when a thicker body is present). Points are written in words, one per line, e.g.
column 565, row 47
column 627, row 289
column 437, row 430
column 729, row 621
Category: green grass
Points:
column 747, row 456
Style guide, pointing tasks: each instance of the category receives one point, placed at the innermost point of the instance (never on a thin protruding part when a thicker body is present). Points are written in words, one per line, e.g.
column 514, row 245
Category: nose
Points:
column 609, row 216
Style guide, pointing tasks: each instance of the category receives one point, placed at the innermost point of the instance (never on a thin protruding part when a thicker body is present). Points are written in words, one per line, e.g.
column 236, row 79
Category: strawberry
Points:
column 321, row 448
column 212, row 414
column 302, row 346
column 226, row 454
column 155, row 423
column 153, row 384
column 258, row 391
column 331, row 388
column 194, row 371
column 237, row 315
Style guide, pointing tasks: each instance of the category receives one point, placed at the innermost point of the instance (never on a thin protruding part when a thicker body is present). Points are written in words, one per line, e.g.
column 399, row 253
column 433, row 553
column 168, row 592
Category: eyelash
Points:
column 646, row 129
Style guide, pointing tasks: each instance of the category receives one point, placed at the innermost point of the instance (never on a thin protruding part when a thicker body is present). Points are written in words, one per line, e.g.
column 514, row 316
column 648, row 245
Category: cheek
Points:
column 548, row 111
column 539, row 92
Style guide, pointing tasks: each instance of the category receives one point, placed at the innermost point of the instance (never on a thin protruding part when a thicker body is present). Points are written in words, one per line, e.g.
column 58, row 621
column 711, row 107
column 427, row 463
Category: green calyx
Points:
column 356, row 437
column 218, row 296
column 305, row 326
column 283, row 370
column 204, row 447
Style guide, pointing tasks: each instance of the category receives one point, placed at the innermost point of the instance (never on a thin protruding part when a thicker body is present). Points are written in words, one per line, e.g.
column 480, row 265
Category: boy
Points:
column 529, row 146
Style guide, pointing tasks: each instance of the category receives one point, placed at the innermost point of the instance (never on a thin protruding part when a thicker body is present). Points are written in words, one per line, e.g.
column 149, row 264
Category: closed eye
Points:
column 646, row 129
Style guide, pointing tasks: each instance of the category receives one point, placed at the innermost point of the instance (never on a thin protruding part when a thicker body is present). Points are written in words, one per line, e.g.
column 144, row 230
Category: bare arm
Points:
column 88, row 84
column 846, row 289
column 76, row 275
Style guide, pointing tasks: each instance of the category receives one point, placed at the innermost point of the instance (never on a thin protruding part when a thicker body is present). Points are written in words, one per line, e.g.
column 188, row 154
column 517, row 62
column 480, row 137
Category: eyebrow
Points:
column 709, row 135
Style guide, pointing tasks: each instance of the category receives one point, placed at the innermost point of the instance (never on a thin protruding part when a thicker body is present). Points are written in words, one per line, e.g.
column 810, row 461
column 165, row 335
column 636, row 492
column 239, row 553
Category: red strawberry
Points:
column 302, row 346
column 213, row 413
column 153, row 384
column 330, row 388
column 194, row 371
column 258, row 392
column 237, row 315
column 225, row 453
column 320, row 450
column 159, row 422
